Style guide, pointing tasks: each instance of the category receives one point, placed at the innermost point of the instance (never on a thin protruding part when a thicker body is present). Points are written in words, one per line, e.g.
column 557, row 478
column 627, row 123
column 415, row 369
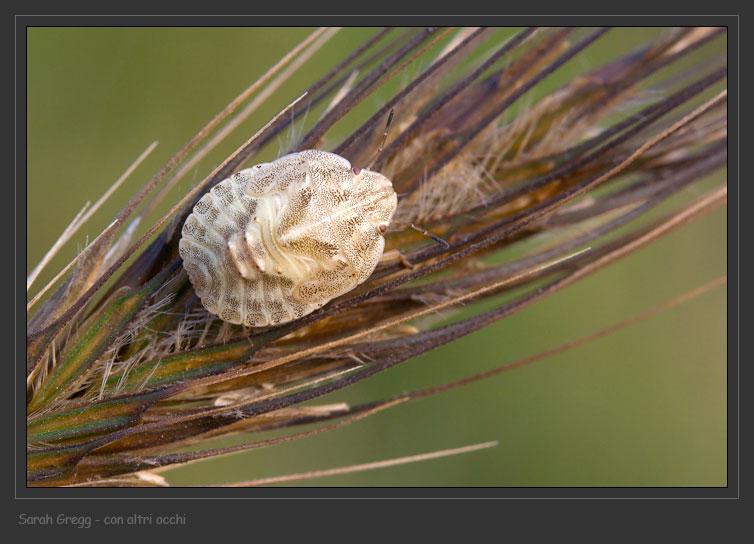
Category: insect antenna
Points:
column 425, row 232
column 384, row 138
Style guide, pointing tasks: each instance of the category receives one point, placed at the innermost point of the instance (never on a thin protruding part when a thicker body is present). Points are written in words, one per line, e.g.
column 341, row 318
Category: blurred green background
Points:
column 645, row 406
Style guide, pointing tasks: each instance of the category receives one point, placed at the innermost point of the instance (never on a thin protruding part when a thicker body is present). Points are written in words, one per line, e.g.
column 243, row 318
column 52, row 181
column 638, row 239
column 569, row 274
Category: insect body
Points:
column 278, row 240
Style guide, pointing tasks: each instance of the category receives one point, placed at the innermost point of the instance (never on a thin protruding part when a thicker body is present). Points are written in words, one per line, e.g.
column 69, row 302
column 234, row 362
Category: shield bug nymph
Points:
column 276, row 241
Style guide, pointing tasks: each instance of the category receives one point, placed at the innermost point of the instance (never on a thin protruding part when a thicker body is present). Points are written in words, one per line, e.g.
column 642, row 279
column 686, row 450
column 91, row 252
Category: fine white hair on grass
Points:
column 294, row 133
column 224, row 333
column 109, row 363
column 344, row 90
column 449, row 193
column 121, row 244
column 146, row 379
column 479, row 172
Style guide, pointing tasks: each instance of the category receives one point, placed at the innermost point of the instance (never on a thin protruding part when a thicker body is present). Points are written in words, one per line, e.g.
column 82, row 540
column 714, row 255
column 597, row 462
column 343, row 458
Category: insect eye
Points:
column 382, row 228
column 356, row 171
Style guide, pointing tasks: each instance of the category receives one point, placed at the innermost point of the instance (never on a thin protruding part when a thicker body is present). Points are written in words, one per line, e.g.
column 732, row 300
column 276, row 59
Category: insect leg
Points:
column 395, row 255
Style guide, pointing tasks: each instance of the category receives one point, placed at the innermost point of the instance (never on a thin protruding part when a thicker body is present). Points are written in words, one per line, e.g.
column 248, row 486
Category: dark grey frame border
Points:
column 49, row 499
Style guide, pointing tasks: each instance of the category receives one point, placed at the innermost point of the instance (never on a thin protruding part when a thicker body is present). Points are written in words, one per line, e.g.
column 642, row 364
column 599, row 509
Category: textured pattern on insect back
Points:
column 357, row 239
column 224, row 268
column 304, row 229
column 276, row 241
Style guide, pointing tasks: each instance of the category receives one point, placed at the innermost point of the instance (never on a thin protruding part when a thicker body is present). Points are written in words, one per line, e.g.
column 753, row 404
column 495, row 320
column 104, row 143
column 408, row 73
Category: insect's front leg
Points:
column 396, row 255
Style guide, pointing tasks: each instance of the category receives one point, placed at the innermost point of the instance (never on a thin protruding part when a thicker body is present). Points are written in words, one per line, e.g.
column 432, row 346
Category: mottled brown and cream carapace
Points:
column 276, row 241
